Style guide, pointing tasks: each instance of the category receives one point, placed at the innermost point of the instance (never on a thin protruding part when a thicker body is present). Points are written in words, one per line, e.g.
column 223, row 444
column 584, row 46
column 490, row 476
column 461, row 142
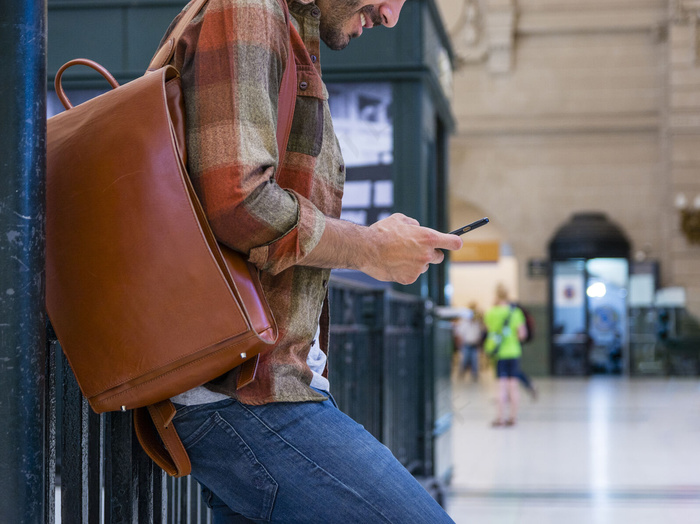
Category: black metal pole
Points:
column 22, row 234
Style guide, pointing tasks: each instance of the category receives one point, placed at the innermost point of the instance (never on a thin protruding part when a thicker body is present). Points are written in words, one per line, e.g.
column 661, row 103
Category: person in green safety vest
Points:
column 506, row 329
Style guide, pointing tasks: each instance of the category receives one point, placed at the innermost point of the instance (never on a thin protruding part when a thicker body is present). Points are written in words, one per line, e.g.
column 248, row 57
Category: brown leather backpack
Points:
column 145, row 303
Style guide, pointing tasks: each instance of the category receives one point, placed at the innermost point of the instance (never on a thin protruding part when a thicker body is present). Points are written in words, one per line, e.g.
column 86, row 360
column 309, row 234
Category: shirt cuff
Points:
column 293, row 246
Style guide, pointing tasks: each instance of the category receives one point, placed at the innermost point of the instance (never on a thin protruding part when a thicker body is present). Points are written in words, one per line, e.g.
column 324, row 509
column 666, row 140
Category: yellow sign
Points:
column 486, row 251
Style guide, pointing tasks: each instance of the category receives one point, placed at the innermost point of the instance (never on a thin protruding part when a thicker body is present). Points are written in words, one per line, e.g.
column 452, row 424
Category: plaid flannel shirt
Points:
column 231, row 58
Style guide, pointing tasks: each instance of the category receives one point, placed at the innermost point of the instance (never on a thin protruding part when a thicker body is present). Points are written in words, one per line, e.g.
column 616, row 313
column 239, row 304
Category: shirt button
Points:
column 314, row 58
column 316, row 12
column 341, row 168
column 303, row 86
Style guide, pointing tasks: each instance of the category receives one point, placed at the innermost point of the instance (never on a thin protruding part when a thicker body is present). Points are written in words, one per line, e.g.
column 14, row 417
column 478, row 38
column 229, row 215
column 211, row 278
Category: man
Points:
column 278, row 450
column 506, row 328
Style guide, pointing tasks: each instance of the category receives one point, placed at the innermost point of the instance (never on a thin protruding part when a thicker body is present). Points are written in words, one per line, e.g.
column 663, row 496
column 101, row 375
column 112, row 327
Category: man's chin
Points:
column 336, row 41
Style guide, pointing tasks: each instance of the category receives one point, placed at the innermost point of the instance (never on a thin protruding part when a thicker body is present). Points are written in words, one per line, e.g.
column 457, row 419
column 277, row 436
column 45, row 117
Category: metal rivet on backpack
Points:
column 243, row 355
column 303, row 86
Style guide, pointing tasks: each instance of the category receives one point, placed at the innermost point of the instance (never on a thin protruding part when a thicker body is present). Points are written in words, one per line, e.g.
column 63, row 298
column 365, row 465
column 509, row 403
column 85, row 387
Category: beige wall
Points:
column 565, row 106
column 681, row 134
column 472, row 282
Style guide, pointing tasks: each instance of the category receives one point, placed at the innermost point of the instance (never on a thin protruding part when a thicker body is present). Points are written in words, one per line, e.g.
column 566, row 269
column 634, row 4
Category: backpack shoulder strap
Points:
column 506, row 322
column 165, row 52
column 288, row 87
column 288, row 94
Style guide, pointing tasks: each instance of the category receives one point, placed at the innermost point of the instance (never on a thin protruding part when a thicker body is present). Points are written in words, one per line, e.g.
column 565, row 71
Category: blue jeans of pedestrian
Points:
column 300, row 463
column 470, row 359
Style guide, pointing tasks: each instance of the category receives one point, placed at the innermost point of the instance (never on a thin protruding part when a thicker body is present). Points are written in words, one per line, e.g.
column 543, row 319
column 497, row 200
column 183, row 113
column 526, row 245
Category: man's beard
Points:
column 332, row 24
column 335, row 38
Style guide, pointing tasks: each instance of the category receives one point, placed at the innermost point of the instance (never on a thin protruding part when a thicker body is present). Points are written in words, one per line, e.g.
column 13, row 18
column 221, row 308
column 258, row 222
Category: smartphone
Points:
column 469, row 227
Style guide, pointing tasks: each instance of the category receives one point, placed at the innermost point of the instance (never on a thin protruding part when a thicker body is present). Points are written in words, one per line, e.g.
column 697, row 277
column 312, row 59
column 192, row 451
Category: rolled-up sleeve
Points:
column 296, row 243
column 232, row 66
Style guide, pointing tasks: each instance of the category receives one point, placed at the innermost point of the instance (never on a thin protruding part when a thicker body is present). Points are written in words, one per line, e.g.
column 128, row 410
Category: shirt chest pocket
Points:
column 306, row 135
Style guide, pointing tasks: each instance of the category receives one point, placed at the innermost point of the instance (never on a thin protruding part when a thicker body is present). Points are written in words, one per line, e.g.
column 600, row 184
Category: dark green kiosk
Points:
column 389, row 94
column 410, row 66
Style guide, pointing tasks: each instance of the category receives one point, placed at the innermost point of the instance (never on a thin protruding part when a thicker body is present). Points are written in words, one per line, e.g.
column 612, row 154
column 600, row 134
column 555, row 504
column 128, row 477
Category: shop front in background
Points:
column 589, row 290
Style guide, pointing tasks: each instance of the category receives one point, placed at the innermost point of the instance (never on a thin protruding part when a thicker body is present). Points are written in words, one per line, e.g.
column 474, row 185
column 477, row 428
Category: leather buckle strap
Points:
column 160, row 441
column 246, row 372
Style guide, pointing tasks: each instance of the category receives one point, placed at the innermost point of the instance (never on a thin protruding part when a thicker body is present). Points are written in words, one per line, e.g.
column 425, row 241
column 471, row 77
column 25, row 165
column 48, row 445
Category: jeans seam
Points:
column 193, row 408
column 224, row 424
column 369, row 504
column 201, row 432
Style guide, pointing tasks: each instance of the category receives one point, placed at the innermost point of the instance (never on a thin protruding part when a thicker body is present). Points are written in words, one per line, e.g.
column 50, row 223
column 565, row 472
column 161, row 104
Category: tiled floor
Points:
column 594, row 451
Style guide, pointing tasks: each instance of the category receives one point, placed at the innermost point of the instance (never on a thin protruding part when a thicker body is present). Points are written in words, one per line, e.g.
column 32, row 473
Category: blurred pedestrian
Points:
column 506, row 328
column 469, row 331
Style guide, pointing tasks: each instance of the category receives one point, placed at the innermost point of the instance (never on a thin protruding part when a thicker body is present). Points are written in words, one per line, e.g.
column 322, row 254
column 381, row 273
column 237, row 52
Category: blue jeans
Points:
column 300, row 463
column 470, row 359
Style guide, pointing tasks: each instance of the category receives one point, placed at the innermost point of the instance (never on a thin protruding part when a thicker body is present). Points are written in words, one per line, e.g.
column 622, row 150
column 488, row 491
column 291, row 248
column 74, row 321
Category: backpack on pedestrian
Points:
column 529, row 323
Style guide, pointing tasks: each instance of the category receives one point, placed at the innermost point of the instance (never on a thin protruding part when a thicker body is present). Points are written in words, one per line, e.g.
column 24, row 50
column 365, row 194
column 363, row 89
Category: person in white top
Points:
column 469, row 334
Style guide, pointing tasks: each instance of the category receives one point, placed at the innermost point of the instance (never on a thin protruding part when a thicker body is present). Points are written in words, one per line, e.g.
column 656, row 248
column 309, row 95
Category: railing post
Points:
column 22, row 319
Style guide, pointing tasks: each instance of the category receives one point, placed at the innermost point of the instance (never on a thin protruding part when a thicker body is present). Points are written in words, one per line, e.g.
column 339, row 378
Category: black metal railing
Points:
column 97, row 470
column 386, row 367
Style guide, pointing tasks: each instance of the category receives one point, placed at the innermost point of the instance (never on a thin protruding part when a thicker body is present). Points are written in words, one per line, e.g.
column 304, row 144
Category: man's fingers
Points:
column 447, row 241
column 452, row 242
column 438, row 256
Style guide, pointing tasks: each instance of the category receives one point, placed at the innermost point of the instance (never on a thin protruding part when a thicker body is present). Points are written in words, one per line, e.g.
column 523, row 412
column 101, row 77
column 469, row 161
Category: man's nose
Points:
column 389, row 12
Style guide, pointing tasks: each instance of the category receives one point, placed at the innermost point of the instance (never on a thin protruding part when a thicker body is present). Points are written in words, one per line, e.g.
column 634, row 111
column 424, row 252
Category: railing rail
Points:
column 380, row 369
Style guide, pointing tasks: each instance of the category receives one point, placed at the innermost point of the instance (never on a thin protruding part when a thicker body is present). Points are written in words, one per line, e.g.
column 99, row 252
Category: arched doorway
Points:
column 588, row 297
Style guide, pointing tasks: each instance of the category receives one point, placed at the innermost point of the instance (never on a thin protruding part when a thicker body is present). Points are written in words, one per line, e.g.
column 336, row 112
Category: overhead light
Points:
column 597, row 290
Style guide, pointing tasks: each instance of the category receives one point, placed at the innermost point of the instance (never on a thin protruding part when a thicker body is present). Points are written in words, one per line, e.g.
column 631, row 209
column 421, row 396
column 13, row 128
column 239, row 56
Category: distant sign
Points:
column 568, row 291
column 537, row 267
column 477, row 252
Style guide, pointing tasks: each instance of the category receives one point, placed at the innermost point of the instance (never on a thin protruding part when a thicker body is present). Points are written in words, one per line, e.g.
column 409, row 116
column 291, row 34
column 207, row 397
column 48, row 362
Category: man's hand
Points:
column 402, row 250
column 395, row 249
